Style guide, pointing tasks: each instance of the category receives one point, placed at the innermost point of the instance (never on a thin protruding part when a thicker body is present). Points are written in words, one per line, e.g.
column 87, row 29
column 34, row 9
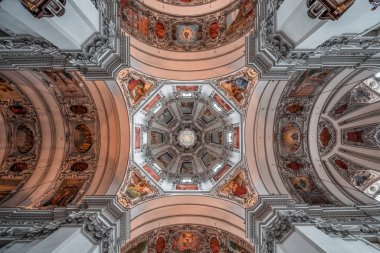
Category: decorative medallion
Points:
column 326, row 136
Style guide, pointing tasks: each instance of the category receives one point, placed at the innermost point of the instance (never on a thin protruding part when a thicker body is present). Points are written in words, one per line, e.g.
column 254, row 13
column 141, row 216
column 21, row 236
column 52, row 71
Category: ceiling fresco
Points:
column 189, row 239
column 291, row 145
column 22, row 134
column 187, row 2
column 363, row 136
column 187, row 137
column 81, row 145
column 195, row 33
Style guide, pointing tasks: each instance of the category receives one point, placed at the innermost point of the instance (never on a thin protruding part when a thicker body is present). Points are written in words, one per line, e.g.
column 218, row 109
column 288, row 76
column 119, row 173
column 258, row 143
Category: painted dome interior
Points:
column 189, row 136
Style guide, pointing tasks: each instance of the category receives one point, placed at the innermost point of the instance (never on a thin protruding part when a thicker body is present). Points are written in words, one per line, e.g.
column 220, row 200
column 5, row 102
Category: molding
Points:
column 273, row 54
column 273, row 217
column 104, row 54
column 102, row 220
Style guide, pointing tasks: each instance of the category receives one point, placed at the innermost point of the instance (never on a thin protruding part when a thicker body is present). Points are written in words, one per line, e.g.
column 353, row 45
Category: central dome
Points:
column 187, row 138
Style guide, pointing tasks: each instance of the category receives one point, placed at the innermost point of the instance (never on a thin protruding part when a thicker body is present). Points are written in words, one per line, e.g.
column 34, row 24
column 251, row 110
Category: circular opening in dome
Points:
column 187, row 138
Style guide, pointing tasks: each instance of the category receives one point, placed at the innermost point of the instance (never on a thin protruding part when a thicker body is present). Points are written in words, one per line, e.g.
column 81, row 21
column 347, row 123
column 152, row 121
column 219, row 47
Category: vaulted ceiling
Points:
column 220, row 102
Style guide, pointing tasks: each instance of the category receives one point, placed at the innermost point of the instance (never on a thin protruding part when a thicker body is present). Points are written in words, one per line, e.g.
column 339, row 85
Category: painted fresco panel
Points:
column 138, row 187
column 66, row 193
column 236, row 186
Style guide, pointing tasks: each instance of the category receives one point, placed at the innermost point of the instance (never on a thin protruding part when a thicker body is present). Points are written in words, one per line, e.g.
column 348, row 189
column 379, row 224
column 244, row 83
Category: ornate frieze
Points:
column 187, row 2
column 188, row 238
column 23, row 138
column 81, row 147
column 291, row 143
column 193, row 33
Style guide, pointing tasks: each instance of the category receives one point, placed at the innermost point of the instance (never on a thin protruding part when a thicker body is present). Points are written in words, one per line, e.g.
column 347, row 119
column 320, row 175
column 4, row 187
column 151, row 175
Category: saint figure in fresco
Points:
column 236, row 88
column 138, row 89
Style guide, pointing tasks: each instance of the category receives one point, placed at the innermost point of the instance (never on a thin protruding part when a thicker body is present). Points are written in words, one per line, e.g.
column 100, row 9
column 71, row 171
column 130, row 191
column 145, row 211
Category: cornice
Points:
column 274, row 56
column 104, row 53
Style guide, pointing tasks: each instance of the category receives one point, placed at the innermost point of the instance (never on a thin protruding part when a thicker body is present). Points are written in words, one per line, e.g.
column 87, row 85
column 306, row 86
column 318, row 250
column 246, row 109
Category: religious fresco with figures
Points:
column 187, row 238
column 187, row 2
column 187, row 33
column 82, row 142
column 22, row 129
column 291, row 144
column 188, row 138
